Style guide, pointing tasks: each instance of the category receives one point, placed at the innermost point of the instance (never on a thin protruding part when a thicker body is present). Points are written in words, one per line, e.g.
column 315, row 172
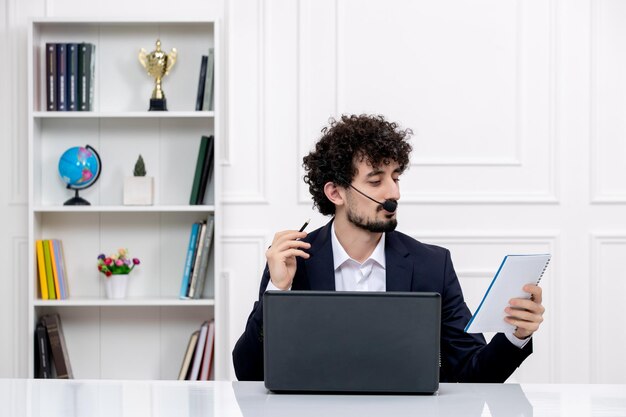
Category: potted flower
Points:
column 116, row 268
column 139, row 189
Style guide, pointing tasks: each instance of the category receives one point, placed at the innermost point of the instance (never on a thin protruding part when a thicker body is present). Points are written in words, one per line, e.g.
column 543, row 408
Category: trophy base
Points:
column 158, row 104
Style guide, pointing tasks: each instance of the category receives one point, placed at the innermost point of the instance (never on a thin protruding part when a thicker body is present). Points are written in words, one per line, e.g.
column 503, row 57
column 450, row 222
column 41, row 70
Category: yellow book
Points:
column 43, row 281
column 55, row 269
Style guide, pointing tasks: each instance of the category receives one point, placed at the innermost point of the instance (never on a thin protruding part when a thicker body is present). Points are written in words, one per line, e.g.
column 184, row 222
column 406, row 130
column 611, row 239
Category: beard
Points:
column 374, row 226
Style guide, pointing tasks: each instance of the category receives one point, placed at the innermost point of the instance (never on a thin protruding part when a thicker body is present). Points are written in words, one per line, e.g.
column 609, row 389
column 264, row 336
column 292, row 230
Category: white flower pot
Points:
column 139, row 191
column 115, row 286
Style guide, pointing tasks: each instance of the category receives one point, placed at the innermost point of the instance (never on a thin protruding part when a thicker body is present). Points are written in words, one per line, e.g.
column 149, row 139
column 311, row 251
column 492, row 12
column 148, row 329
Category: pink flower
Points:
column 119, row 262
column 108, row 261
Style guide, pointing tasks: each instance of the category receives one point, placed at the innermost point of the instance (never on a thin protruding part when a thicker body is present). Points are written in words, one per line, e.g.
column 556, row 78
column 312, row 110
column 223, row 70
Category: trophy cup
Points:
column 158, row 65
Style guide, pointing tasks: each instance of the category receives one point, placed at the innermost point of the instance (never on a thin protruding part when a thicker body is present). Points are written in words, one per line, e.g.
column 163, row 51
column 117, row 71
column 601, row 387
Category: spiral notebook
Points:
column 514, row 272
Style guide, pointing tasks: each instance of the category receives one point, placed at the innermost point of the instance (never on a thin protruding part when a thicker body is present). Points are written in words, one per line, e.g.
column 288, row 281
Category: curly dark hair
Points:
column 346, row 141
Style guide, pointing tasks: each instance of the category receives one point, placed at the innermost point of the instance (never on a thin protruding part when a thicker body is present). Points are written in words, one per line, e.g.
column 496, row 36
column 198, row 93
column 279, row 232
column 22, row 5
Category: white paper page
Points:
column 515, row 272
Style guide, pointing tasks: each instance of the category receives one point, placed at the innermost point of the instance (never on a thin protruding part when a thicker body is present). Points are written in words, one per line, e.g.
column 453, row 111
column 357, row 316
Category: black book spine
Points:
column 201, row 81
column 72, row 76
column 84, row 76
column 43, row 352
column 61, row 77
column 51, row 75
column 207, row 171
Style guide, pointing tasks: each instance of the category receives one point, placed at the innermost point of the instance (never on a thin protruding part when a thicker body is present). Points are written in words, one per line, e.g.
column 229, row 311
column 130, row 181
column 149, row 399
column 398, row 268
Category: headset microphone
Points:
column 389, row 205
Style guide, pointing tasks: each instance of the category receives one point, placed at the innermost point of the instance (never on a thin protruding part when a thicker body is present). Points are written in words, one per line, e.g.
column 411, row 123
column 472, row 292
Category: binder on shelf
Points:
column 191, row 348
column 515, row 271
column 197, row 287
column 51, row 76
column 55, row 270
column 64, row 281
column 202, row 154
column 197, row 357
column 191, row 250
column 49, row 274
column 61, row 77
column 86, row 69
column 207, row 170
column 207, row 103
column 41, row 269
column 196, row 262
column 72, row 76
column 42, row 352
column 59, row 264
column 201, row 81
column 207, row 357
column 58, row 346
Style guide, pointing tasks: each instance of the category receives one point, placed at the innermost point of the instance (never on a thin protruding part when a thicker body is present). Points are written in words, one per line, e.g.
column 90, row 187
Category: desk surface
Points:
column 51, row 398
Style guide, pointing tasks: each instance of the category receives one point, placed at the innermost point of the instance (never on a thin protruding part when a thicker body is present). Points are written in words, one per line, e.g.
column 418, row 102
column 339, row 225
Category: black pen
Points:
column 306, row 223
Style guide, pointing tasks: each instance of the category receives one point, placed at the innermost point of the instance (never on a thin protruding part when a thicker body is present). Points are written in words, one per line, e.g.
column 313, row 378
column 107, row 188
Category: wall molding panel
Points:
column 526, row 174
column 606, row 145
column 606, row 288
column 234, row 159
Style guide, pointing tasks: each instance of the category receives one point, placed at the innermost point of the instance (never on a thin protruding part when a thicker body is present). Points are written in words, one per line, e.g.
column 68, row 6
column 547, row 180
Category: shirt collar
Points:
column 340, row 255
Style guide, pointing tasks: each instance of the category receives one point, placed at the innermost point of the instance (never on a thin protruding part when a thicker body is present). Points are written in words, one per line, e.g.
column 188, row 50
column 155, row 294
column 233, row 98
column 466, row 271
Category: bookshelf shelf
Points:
column 127, row 302
column 125, row 209
column 125, row 115
column 149, row 329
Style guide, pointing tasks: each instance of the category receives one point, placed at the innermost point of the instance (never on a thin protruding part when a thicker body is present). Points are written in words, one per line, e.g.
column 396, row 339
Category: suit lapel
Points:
column 399, row 267
column 319, row 267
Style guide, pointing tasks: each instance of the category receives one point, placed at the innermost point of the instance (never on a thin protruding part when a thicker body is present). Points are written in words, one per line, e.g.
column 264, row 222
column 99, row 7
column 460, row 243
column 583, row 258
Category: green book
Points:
column 49, row 277
column 195, row 188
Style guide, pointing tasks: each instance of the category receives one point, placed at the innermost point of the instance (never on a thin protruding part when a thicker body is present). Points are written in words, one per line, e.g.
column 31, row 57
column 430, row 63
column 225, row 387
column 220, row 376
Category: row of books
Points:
column 204, row 98
column 70, row 71
column 199, row 357
column 204, row 170
column 197, row 260
column 51, row 356
column 53, row 283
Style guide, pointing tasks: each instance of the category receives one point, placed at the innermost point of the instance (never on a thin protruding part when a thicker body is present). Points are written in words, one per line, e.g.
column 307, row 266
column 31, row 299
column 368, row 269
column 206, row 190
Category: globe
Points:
column 79, row 168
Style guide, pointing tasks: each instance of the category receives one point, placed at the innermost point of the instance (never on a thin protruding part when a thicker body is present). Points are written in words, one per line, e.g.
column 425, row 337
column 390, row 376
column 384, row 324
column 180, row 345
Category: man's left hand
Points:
column 526, row 315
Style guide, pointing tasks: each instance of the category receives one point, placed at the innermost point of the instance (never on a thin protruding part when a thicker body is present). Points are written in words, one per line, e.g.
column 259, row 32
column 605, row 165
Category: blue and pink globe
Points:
column 80, row 168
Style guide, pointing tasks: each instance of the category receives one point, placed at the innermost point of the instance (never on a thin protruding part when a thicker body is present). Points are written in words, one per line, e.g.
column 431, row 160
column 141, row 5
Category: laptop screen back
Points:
column 322, row 341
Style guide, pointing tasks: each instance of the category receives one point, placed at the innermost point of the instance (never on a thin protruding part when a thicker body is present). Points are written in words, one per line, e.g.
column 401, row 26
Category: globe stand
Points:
column 76, row 200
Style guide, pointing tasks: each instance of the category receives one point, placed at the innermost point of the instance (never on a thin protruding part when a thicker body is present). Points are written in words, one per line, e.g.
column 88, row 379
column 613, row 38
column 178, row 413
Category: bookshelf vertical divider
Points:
column 145, row 335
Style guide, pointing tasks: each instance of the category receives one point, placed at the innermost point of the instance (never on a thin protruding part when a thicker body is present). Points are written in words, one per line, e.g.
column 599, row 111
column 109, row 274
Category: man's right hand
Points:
column 281, row 257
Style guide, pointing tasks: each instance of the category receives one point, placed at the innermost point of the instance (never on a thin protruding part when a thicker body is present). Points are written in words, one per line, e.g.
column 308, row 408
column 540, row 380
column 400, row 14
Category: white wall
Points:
column 517, row 108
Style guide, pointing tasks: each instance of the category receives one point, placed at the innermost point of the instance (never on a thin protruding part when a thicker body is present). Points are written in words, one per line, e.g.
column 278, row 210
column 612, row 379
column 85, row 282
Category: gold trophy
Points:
column 158, row 65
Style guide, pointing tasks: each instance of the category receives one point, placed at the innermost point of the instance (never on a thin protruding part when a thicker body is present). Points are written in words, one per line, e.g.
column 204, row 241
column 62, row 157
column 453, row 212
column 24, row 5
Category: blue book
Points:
column 191, row 251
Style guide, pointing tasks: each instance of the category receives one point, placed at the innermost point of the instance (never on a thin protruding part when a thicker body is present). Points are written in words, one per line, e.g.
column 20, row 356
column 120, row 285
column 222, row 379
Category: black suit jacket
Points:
column 410, row 266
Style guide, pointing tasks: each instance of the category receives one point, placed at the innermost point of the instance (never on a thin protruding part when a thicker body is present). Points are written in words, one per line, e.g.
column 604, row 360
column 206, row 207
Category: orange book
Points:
column 43, row 281
column 55, row 269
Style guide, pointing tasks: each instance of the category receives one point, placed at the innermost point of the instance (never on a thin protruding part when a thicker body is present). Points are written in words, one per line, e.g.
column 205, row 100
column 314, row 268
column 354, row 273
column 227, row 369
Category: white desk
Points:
column 51, row 398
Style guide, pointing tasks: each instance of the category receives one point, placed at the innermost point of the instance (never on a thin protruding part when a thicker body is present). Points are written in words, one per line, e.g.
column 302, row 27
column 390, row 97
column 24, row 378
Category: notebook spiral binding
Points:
column 543, row 271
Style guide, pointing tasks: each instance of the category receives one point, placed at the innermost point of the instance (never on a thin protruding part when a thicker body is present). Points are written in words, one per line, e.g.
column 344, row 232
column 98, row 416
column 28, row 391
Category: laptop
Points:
column 351, row 342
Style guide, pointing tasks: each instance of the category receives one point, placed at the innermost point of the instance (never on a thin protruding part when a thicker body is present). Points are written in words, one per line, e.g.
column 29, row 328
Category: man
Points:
column 353, row 175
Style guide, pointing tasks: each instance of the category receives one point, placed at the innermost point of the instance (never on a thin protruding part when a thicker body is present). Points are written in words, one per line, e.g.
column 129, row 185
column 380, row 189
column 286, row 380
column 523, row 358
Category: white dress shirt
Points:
column 351, row 275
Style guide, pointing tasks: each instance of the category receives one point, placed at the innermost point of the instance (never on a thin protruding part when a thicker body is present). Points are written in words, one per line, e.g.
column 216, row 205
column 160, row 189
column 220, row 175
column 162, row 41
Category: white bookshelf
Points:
column 145, row 335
